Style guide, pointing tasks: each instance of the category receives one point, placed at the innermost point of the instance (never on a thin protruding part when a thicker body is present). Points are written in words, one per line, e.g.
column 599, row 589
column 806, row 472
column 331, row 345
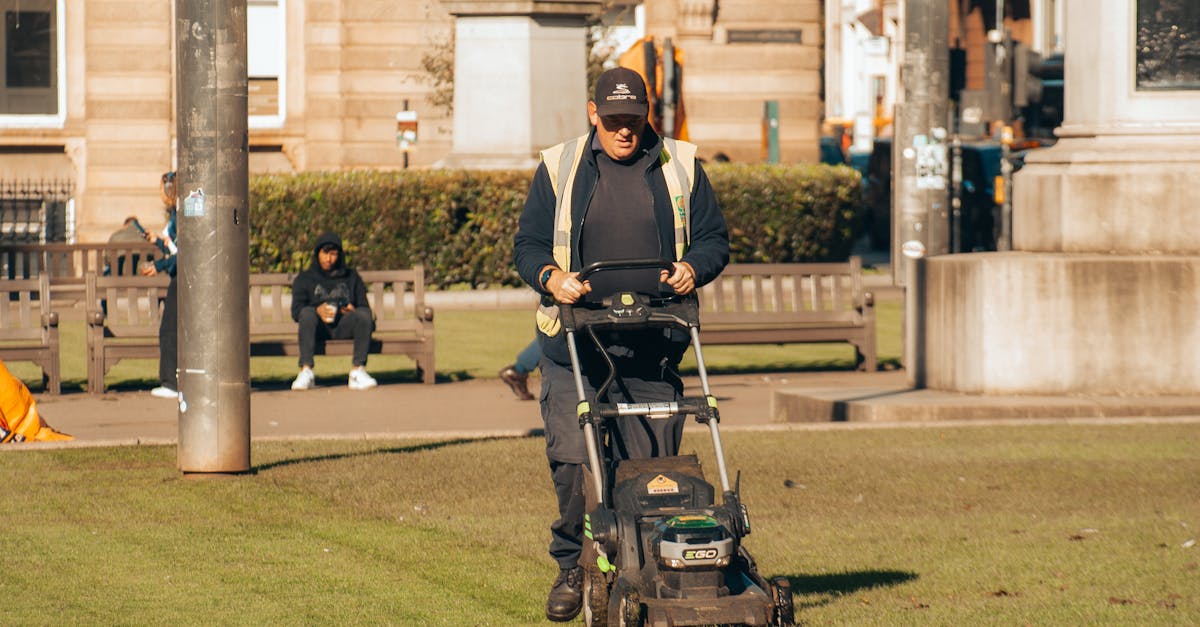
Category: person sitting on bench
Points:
column 329, row 300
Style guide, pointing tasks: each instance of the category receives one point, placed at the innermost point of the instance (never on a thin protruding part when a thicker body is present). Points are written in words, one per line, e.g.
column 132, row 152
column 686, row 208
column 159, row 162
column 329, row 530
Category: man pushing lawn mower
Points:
column 641, row 197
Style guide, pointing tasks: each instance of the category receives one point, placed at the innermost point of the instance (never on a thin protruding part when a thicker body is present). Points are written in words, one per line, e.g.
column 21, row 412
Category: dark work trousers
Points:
column 635, row 438
column 168, row 339
column 357, row 324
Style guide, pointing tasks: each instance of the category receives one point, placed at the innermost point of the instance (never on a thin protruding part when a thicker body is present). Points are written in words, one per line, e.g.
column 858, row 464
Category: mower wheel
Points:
column 781, row 595
column 595, row 598
column 625, row 606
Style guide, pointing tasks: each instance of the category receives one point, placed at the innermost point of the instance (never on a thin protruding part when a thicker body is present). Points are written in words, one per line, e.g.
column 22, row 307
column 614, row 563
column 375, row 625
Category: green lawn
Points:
column 976, row 525
column 472, row 344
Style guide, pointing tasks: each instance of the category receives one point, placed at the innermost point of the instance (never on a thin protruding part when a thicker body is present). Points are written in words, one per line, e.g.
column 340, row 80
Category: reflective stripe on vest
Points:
column 675, row 171
column 562, row 161
column 678, row 161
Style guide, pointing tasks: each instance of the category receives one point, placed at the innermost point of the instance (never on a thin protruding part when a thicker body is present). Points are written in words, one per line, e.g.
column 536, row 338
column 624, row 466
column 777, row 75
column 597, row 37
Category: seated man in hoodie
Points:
column 329, row 300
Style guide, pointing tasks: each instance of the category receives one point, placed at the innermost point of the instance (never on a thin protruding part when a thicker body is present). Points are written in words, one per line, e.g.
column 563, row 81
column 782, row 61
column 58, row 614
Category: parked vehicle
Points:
column 979, row 218
column 877, row 194
column 977, row 226
column 831, row 151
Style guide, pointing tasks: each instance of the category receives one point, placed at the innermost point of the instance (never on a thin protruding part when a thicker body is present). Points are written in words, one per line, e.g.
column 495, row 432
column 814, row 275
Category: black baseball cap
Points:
column 621, row 91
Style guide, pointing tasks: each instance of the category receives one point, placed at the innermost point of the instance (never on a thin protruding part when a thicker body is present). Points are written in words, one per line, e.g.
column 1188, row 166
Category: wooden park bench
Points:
column 403, row 323
column 123, row 317
column 29, row 329
column 129, row 329
column 68, row 265
column 784, row 303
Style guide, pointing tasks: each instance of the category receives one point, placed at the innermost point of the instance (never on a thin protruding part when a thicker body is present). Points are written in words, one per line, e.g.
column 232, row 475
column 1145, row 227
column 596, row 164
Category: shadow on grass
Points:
column 123, row 385
column 331, row 378
column 833, row 365
column 409, row 375
column 277, row 383
column 389, row 450
column 839, row 584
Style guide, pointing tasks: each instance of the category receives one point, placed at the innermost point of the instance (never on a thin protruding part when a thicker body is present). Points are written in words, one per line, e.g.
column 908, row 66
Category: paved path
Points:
column 484, row 406
column 487, row 407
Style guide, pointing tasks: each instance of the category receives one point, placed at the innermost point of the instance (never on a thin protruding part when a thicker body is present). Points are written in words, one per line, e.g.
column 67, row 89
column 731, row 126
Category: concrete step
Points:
column 886, row 397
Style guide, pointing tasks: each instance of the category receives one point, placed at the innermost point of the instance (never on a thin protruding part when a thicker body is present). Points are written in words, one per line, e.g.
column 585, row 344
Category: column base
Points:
column 1129, row 194
column 1058, row 323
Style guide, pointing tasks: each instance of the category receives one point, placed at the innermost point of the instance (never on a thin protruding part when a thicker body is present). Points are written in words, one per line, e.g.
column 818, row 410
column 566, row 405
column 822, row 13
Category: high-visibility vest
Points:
column 678, row 159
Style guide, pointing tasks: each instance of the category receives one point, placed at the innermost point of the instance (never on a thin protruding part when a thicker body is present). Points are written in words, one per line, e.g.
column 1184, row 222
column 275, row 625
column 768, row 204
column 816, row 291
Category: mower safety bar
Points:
column 631, row 264
column 630, row 309
column 698, row 407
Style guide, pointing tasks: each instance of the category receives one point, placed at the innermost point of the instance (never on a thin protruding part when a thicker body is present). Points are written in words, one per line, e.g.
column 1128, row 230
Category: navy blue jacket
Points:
column 707, row 253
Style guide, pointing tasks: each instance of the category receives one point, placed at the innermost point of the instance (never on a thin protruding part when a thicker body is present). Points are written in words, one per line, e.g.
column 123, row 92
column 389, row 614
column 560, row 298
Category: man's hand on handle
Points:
column 682, row 279
column 566, row 286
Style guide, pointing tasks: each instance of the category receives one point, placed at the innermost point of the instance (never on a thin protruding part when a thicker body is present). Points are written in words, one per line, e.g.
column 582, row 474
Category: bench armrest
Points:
column 427, row 314
column 50, row 319
column 95, row 318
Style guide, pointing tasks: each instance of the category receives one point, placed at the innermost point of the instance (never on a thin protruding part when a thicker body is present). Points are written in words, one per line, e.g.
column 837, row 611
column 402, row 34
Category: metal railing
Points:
column 35, row 211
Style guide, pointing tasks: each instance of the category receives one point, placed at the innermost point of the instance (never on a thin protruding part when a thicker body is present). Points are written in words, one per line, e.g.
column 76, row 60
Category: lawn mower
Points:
column 658, row 548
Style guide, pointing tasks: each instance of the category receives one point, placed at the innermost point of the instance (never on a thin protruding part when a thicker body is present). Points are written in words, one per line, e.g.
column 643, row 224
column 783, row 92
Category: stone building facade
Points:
column 90, row 98
column 738, row 54
column 327, row 79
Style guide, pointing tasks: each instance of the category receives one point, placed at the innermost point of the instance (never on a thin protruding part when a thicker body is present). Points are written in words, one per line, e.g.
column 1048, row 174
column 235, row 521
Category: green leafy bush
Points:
column 788, row 213
column 460, row 223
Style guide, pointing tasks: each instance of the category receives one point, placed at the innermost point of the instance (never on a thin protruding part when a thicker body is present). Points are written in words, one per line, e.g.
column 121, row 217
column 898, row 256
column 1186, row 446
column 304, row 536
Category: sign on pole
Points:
column 406, row 130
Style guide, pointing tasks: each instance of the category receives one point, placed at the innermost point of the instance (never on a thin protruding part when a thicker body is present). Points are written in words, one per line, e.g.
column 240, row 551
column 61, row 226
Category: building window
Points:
column 31, row 44
column 27, row 49
column 266, row 62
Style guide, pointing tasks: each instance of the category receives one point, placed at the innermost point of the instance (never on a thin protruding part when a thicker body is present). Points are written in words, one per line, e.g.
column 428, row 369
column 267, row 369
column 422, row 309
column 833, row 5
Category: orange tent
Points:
column 19, row 419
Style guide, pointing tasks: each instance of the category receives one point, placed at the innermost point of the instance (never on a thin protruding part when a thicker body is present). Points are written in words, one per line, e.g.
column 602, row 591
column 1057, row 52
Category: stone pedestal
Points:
column 737, row 55
column 1102, row 292
column 1063, row 323
column 520, row 79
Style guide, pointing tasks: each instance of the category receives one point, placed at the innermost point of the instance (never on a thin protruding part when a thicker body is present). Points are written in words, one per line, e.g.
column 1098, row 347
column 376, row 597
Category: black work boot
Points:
column 518, row 381
column 566, row 595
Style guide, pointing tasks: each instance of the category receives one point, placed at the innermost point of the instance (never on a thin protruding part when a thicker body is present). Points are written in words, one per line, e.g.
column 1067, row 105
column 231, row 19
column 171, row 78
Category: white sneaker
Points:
column 360, row 380
column 305, row 380
column 163, row 391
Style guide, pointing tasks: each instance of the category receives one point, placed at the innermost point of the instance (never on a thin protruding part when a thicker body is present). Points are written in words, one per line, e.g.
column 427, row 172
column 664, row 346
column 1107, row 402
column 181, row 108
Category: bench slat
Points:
column 790, row 302
column 29, row 329
column 779, row 318
column 130, row 327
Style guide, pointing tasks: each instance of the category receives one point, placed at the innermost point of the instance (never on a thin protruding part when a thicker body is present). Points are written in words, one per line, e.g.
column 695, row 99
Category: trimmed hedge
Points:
column 460, row 223
column 788, row 213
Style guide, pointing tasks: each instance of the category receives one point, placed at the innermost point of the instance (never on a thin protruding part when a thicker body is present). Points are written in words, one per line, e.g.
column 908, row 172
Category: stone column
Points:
column 520, row 79
column 1101, row 294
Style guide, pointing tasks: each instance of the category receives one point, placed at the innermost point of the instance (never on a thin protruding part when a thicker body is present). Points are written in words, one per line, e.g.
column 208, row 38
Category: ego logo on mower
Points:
column 700, row 554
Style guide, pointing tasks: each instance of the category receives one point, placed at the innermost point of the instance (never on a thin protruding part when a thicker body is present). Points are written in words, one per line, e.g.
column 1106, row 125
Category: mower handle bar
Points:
column 625, row 264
